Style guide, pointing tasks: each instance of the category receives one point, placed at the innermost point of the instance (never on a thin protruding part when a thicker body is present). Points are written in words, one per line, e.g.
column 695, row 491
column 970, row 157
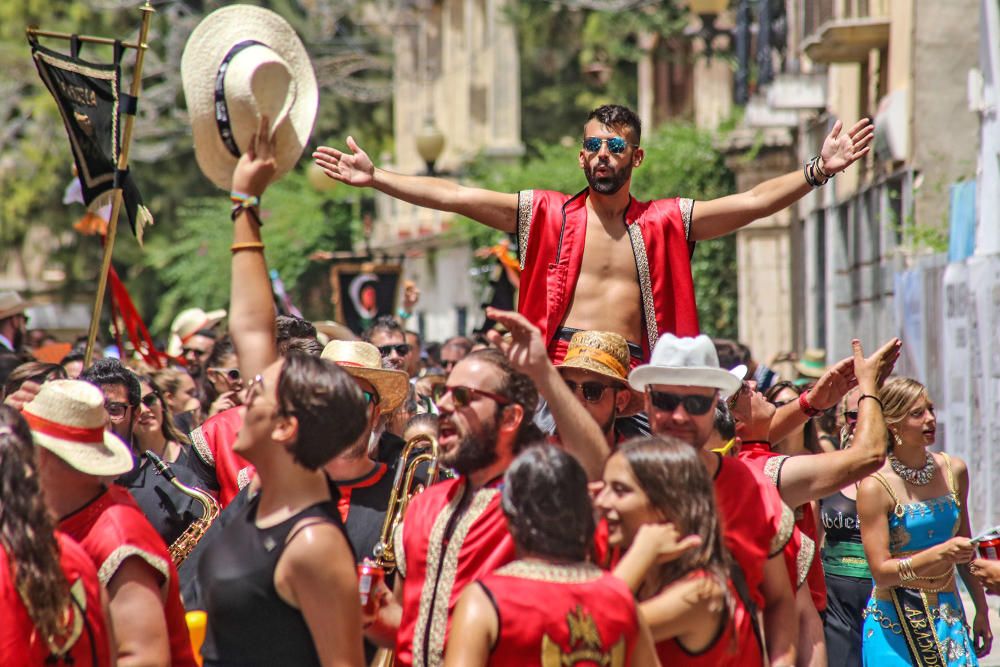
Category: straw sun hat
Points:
column 362, row 360
column 243, row 62
column 67, row 418
column 605, row 354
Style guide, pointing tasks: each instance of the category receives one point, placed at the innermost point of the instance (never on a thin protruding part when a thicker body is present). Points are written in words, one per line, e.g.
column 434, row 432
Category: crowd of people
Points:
column 608, row 486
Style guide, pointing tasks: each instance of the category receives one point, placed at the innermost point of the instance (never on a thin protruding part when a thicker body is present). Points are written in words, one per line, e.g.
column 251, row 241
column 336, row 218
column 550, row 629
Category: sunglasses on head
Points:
column 616, row 145
column 401, row 349
column 463, row 396
column 592, row 391
column 734, row 399
column 150, row 399
column 231, row 373
column 694, row 404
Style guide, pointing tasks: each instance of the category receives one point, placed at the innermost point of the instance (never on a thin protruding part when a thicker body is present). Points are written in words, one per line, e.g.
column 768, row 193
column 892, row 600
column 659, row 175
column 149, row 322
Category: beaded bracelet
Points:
column 815, row 176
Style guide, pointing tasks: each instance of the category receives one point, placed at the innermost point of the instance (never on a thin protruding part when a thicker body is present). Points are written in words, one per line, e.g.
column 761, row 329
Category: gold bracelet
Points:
column 904, row 567
column 249, row 245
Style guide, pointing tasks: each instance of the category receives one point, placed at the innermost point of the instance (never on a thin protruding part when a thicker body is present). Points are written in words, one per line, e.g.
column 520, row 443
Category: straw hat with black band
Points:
column 362, row 360
column 242, row 63
column 606, row 354
column 67, row 418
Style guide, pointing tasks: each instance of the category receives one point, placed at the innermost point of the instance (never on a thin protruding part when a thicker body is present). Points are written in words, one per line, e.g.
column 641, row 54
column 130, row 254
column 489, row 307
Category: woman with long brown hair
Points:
column 50, row 598
column 655, row 490
column 915, row 530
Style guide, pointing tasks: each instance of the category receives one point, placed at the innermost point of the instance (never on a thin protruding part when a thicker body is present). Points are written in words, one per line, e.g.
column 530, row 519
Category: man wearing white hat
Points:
column 75, row 455
column 682, row 384
column 12, row 322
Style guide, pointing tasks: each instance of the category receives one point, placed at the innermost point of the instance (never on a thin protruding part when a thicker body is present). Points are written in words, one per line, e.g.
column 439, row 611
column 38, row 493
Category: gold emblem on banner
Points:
column 585, row 647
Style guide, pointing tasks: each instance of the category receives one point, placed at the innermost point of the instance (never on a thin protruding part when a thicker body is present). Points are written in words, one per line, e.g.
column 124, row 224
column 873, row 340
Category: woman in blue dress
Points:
column 915, row 530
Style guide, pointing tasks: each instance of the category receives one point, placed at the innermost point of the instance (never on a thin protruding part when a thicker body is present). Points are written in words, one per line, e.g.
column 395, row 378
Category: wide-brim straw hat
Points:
column 189, row 322
column 606, row 354
column 686, row 362
column 272, row 78
column 67, row 417
column 812, row 364
column 11, row 303
column 362, row 360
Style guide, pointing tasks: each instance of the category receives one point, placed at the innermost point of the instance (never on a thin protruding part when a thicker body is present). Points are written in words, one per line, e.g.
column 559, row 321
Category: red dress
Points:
column 551, row 229
column 213, row 442
column 735, row 644
column 756, row 524
column 111, row 529
column 86, row 644
column 553, row 615
column 807, row 564
column 440, row 551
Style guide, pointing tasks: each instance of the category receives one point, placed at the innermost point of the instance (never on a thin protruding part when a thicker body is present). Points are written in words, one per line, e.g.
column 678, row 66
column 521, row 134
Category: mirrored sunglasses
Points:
column 616, row 145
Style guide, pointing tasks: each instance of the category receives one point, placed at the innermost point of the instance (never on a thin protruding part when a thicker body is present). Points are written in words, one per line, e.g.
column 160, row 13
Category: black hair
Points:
column 731, row 353
column 71, row 357
column 207, row 333
column 725, row 424
column 222, row 349
column 384, row 323
column 288, row 327
column 327, row 403
column 617, row 116
column 104, row 372
column 546, row 503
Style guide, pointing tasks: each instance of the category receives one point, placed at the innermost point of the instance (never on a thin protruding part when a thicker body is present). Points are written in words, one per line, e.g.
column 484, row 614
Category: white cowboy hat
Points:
column 11, row 303
column 67, row 418
column 241, row 63
column 362, row 360
column 189, row 322
column 688, row 362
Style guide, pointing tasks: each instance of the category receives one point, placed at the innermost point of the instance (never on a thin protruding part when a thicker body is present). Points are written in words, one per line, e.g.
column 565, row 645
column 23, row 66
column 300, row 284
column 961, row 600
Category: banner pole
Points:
column 116, row 207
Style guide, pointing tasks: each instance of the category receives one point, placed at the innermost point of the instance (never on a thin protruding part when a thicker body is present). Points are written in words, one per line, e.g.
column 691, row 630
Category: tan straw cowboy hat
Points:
column 67, row 418
column 11, row 303
column 362, row 360
column 241, row 63
column 606, row 354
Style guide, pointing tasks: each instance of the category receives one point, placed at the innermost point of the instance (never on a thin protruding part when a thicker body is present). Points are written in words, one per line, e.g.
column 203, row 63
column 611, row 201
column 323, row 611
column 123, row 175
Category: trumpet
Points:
column 403, row 491
column 185, row 544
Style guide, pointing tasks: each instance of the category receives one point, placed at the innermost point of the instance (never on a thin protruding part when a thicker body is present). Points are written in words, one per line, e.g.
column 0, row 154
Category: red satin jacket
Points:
column 213, row 443
column 551, row 229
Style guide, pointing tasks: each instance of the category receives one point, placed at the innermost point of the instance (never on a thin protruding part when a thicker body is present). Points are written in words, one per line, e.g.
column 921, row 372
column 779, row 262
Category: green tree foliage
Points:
column 680, row 162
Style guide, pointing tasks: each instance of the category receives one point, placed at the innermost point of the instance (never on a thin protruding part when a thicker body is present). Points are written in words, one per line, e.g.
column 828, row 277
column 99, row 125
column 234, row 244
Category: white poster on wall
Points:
column 956, row 350
column 984, row 465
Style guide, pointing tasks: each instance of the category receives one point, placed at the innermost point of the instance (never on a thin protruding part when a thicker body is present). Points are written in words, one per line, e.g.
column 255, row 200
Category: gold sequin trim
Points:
column 804, row 559
column 687, row 208
column 200, row 445
column 772, row 468
column 645, row 283
column 434, row 622
column 122, row 553
column 785, row 528
column 575, row 573
column 524, row 201
column 243, row 477
column 397, row 548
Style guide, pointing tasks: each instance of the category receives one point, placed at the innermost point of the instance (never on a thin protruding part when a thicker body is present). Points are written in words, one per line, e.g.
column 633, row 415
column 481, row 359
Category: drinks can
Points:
column 370, row 576
column 989, row 548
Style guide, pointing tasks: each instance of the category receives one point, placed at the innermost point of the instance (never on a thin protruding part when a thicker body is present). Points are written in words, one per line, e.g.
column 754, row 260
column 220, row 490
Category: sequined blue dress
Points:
column 914, row 527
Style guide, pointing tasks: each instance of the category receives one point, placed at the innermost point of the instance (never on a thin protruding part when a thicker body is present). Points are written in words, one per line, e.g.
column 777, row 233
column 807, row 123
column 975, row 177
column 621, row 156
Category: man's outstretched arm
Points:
column 725, row 215
column 495, row 209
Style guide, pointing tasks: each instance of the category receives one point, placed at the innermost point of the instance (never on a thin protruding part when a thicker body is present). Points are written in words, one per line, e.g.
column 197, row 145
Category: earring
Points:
column 897, row 439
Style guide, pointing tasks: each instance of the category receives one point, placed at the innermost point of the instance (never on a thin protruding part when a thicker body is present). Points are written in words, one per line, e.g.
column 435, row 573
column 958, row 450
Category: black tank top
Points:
column 840, row 518
column 248, row 623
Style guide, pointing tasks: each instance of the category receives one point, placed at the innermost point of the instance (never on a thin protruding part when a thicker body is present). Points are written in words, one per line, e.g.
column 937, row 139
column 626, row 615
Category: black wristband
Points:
column 873, row 397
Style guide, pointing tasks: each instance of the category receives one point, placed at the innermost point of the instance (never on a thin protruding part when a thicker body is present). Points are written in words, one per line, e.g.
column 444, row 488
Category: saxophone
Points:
column 185, row 544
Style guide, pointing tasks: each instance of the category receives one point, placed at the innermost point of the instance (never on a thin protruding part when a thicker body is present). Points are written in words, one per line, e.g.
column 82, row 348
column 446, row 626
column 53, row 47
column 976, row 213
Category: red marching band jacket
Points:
column 552, row 615
column 112, row 529
column 551, row 229
column 213, row 443
column 439, row 552
column 85, row 643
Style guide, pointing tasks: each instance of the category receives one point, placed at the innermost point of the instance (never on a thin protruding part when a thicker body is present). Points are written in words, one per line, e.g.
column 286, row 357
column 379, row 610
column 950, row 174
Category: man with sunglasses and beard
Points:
column 600, row 260
column 455, row 531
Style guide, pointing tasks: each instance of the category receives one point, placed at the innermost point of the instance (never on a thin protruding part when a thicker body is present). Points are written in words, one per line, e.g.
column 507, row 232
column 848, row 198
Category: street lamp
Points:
column 430, row 144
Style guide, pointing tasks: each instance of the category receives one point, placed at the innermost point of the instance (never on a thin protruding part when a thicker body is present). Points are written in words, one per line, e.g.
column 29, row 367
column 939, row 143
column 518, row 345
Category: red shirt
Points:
column 112, row 529
column 551, row 230
column 440, row 551
column 735, row 645
column 553, row 614
column 213, row 442
column 756, row 524
column 86, row 644
column 804, row 561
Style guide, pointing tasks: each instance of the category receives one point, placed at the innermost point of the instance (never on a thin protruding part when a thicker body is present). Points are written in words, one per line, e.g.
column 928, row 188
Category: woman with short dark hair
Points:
column 550, row 606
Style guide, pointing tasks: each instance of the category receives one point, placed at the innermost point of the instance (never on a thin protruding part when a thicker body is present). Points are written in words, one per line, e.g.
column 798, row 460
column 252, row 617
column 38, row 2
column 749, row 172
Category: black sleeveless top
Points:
column 248, row 623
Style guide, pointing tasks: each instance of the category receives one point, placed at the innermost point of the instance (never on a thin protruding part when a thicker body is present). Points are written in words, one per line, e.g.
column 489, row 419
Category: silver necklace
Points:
column 916, row 476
